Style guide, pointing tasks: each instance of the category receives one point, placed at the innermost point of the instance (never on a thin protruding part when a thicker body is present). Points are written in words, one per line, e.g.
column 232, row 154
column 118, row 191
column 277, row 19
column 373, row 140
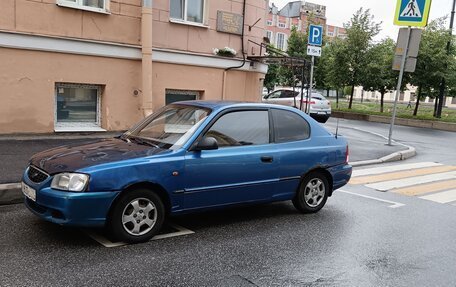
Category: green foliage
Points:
column 361, row 29
column 433, row 60
column 378, row 74
column 371, row 108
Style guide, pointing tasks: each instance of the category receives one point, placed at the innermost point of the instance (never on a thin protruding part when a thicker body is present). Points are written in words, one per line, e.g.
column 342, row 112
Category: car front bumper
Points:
column 86, row 209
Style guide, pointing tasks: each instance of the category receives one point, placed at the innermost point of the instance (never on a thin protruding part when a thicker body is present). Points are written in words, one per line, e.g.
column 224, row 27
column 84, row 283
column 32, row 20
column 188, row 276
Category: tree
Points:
column 338, row 65
column 360, row 31
column 432, row 61
column 378, row 74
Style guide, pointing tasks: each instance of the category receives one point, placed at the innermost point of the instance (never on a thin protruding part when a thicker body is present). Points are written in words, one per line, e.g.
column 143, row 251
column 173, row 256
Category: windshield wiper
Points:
column 124, row 138
column 142, row 141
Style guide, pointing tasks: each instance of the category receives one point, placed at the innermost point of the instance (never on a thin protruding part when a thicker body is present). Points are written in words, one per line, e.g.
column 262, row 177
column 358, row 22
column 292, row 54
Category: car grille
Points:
column 36, row 175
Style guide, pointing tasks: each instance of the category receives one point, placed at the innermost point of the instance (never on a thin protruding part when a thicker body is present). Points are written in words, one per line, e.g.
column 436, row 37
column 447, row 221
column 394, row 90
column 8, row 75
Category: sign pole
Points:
column 399, row 84
column 309, row 93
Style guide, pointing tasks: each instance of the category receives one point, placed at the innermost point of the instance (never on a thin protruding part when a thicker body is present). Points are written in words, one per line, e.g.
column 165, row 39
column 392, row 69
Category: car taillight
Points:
column 347, row 155
column 311, row 103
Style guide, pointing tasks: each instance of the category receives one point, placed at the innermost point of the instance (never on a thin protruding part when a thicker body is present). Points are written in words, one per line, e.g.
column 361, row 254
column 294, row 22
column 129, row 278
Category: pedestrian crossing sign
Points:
column 412, row 13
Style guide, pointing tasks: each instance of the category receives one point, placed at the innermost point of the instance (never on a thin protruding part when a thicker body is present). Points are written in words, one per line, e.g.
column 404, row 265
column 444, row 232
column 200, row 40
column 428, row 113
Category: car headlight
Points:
column 70, row 181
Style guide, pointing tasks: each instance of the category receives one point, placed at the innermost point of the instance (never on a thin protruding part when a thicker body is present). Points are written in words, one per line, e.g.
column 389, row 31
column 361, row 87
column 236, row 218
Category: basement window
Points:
column 172, row 96
column 100, row 6
column 77, row 108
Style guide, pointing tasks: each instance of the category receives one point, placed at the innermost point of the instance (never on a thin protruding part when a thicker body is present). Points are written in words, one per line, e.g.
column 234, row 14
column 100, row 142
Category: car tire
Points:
column 324, row 120
column 136, row 217
column 312, row 193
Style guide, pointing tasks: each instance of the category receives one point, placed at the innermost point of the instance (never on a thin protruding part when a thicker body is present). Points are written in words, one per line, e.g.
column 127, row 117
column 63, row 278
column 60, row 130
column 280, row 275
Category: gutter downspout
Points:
column 146, row 49
column 243, row 53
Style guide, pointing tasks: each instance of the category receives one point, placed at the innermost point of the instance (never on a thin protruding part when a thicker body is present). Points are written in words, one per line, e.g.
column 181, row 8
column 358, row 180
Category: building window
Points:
column 281, row 25
column 172, row 96
column 269, row 36
column 280, row 41
column 269, row 22
column 330, row 34
column 91, row 5
column 77, row 107
column 188, row 10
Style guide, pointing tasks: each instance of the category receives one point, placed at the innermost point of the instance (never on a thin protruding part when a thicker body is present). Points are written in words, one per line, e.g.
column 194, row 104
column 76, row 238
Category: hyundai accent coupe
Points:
column 187, row 157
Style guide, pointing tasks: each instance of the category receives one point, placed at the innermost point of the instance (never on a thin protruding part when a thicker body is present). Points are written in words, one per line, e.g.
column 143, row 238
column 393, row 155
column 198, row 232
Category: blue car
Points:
column 187, row 157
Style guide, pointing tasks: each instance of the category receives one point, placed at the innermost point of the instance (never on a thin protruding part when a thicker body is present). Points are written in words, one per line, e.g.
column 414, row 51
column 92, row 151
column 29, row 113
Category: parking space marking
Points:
column 109, row 244
column 391, row 168
column 393, row 203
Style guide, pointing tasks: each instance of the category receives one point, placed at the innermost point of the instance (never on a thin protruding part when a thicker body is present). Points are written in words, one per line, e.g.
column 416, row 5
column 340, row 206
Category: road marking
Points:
column 400, row 175
column 109, row 244
column 400, row 167
column 388, row 185
column 442, row 197
column 427, row 188
column 393, row 203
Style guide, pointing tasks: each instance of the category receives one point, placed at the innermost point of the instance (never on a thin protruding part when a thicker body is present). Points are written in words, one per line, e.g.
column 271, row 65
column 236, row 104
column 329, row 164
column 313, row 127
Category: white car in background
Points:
column 320, row 107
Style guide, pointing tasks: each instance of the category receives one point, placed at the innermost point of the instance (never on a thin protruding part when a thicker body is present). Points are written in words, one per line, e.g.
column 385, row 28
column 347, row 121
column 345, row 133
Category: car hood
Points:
column 75, row 157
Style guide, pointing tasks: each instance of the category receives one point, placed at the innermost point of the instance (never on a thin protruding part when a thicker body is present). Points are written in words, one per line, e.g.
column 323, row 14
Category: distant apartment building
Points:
column 97, row 65
column 333, row 32
column 297, row 14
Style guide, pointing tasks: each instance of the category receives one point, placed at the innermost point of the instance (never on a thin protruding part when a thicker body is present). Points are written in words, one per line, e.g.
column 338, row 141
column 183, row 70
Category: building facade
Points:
column 95, row 65
column 298, row 14
column 334, row 32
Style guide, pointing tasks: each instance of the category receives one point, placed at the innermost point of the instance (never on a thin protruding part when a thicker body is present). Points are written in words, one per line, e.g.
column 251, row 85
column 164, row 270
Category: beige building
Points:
column 94, row 65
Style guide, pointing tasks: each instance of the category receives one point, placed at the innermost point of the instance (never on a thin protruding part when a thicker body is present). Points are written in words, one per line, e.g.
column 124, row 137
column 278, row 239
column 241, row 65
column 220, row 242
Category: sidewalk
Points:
column 15, row 151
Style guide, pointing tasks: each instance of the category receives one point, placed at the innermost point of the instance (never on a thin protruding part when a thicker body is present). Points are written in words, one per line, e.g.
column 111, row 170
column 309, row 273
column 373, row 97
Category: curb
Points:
column 395, row 156
column 11, row 193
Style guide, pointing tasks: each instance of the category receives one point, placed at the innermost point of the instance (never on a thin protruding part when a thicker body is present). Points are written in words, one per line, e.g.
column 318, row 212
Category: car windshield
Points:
column 169, row 127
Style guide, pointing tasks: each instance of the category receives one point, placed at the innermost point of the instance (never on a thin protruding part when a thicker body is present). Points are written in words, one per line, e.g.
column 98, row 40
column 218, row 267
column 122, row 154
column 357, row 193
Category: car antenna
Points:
column 337, row 127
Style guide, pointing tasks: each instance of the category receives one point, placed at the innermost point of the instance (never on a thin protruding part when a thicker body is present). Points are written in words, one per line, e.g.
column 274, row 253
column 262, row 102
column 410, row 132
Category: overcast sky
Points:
column 338, row 12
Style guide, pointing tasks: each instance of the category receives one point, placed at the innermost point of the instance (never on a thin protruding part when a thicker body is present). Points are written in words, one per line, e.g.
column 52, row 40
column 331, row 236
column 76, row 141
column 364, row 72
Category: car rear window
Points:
column 289, row 126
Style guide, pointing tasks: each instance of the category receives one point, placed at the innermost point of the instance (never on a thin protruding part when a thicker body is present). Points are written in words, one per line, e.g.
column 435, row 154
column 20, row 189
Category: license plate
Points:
column 29, row 192
column 322, row 113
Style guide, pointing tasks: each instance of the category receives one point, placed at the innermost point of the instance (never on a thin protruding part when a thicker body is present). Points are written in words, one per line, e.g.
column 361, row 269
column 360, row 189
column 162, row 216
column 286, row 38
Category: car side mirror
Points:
column 206, row 143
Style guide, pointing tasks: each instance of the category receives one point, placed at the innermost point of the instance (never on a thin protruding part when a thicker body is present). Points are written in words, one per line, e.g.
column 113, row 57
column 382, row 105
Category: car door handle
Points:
column 267, row 159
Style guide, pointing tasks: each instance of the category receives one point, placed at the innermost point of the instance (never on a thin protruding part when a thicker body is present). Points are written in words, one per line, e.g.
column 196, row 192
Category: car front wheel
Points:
column 137, row 216
column 312, row 194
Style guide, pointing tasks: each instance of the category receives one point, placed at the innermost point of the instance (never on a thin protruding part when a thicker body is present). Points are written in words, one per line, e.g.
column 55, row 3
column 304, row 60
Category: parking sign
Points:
column 315, row 35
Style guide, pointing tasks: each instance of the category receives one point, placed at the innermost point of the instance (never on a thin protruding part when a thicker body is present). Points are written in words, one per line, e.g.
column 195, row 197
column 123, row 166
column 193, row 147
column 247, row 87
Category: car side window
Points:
column 288, row 94
column 289, row 126
column 241, row 128
column 275, row 95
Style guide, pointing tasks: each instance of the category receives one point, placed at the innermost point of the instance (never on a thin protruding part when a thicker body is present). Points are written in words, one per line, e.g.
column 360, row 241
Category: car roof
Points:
column 219, row 105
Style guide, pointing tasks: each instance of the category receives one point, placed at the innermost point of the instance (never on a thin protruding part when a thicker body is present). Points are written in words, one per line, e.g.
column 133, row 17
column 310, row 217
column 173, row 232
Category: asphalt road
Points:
column 353, row 241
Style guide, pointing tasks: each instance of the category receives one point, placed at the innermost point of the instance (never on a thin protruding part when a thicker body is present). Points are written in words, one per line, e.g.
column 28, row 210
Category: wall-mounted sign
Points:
column 229, row 22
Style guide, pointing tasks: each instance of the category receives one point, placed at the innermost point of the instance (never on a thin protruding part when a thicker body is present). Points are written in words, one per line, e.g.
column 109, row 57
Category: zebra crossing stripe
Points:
column 399, row 175
column 442, row 197
column 392, row 184
column 427, row 188
column 400, row 167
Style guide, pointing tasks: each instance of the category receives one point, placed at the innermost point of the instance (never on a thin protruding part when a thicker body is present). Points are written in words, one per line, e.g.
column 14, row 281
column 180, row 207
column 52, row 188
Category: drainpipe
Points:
column 146, row 45
column 243, row 54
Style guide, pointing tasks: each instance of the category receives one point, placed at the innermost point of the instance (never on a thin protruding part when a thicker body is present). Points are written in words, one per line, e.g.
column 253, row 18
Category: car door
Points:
column 297, row 153
column 287, row 98
column 243, row 169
